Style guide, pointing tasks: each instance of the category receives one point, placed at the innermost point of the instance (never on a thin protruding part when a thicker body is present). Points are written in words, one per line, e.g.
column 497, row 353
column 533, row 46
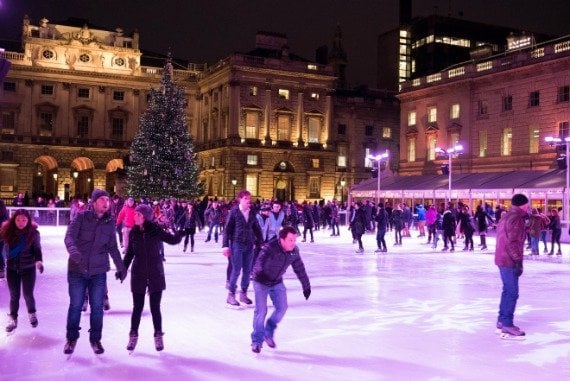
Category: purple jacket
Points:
column 511, row 236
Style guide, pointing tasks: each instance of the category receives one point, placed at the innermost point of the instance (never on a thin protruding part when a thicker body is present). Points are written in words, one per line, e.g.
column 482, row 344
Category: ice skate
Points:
column 133, row 338
column 69, row 347
column 512, row 333
column 270, row 342
column 256, row 348
column 158, row 342
column 12, row 324
column 97, row 348
column 33, row 320
column 244, row 300
column 231, row 301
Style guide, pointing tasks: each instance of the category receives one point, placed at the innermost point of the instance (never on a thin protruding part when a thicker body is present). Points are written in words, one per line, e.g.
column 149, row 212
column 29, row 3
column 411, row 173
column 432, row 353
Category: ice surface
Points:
column 411, row 314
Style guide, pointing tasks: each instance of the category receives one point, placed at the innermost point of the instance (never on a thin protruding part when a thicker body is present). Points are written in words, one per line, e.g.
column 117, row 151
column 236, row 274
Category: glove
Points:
column 120, row 275
column 226, row 252
column 307, row 293
column 519, row 268
column 40, row 266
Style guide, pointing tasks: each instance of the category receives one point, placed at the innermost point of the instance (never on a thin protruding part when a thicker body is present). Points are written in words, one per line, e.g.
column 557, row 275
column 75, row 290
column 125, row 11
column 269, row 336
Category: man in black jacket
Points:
column 274, row 259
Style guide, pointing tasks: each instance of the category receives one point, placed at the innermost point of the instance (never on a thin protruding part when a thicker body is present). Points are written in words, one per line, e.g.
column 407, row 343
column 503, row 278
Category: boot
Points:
column 184, row 250
column 244, row 300
column 192, row 248
column 158, row 342
column 33, row 319
column 483, row 242
column 12, row 324
column 231, row 301
column 133, row 338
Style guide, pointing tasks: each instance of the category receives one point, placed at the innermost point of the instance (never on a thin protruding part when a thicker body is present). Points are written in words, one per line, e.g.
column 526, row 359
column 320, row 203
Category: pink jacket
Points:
column 126, row 216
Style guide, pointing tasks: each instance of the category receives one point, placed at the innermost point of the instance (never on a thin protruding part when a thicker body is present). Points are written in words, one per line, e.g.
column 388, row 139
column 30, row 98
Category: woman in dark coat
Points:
column 145, row 240
column 397, row 221
column 358, row 225
column 188, row 224
column 307, row 218
column 466, row 227
column 23, row 256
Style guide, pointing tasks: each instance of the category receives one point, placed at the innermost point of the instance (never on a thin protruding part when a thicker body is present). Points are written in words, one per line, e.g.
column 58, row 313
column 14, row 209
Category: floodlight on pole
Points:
column 342, row 184
column 558, row 141
column 378, row 159
column 234, row 183
column 455, row 150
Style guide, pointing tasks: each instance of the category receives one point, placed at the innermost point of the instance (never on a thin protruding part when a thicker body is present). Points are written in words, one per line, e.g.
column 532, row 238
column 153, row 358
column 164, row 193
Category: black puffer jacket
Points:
column 28, row 256
column 272, row 263
column 144, row 253
column 90, row 241
column 237, row 229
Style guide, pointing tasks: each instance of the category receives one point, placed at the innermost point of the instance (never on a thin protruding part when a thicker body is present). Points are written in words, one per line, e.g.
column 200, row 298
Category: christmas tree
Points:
column 163, row 161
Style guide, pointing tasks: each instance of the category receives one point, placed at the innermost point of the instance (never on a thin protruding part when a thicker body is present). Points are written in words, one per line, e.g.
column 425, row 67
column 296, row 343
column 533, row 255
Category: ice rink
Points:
column 410, row 314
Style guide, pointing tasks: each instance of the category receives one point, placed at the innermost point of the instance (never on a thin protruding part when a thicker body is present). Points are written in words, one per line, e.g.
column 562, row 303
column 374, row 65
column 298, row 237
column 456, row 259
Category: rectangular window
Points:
column 341, row 129
column 251, row 183
column 82, row 126
column 534, row 141
column 507, row 103
column 251, row 160
column 564, row 94
column 454, row 112
column 284, row 94
column 314, row 187
column 411, row 149
column 367, row 162
column 9, row 86
column 341, row 159
column 8, row 122
column 431, row 146
column 283, row 127
column 386, row 132
column 315, row 96
column 314, row 130
column 118, row 95
column 118, row 125
column 315, row 163
column 83, row 92
column 507, row 142
column 368, row 130
column 47, row 90
column 46, row 123
column 454, row 139
column 412, row 118
column 483, row 107
column 251, row 125
column 253, row 91
column 534, row 99
column 564, row 129
column 432, row 114
column 483, row 143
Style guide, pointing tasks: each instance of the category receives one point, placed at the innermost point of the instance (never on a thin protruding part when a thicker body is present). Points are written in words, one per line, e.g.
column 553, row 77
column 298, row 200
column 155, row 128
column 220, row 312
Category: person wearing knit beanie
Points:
column 519, row 199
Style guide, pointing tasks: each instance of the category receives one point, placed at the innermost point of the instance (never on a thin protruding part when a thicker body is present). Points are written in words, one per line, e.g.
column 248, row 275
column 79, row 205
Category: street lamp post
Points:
column 563, row 141
column 378, row 159
column 234, row 183
column 342, row 184
column 449, row 153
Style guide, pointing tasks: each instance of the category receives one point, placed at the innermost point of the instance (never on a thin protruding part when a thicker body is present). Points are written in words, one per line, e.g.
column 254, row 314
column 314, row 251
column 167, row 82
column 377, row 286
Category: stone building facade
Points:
column 500, row 108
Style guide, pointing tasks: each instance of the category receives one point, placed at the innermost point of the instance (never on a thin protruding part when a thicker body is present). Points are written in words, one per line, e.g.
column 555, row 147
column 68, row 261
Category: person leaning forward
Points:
column 90, row 240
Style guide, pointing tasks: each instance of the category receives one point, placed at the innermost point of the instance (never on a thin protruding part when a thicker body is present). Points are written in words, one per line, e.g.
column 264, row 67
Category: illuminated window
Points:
column 564, row 94
column 482, row 143
column 432, row 114
column 534, row 141
column 507, row 142
column 411, row 149
column 312, row 67
column 507, row 103
column 455, row 111
column 251, row 160
column 534, row 99
column 367, row 162
column 251, row 125
column 283, row 127
column 412, row 118
column 454, row 139
column 314, row 187
column 251, row 183
column 315, row 163
column 431, row 146
column 253, row 90
column 314, row 130
column 315, row 96
column 564, row 129
column 341, row 159
column 284, row 94
column 386, row 132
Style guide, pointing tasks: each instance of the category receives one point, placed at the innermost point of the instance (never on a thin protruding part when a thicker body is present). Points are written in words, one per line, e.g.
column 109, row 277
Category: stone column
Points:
column 235, row 112
column 300, row 117
column 267, row 114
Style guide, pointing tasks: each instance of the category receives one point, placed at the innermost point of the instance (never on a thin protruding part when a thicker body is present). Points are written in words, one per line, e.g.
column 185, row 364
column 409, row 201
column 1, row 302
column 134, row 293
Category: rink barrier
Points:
column 45, row 216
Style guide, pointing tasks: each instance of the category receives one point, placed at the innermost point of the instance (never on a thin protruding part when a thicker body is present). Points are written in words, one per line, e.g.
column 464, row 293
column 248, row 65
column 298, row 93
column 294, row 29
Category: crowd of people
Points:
column 257, row 237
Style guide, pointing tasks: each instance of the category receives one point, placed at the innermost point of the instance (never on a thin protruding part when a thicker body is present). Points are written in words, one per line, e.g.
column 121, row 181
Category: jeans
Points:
column 138, row 304
column 78, row 284
column 380, row 241
column 278, row 295
column 333, row 225
column 213, row 226
column 534, row 244
column 543, row 239
column 24, row 280
column 241, row 258
column 509, row 296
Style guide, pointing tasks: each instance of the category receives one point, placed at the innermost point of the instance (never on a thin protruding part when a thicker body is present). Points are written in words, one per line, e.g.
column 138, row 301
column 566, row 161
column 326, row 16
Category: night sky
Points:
column 206, row 31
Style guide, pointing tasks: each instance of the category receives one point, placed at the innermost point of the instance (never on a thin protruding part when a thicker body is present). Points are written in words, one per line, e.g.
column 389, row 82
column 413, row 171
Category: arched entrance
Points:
column 82, row 173
column 115, row 179
column 44, row 182
column 284, row 181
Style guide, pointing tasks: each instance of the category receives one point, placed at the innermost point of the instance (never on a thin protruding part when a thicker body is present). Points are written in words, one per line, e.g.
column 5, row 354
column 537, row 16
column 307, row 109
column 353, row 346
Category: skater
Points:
column 381, row 226
column 90, row 240
column 188, row 223
column 274, row 259
column 308, row 220
column 509, row 252
column 240, row 235
column 555, row 230
column 147, row 272
column 358, row 225
column 396, row 219
column 448, row 225
column 23, row 257
column 466, row 227
column 482, row 218
column 4, row 216
column 125, row 219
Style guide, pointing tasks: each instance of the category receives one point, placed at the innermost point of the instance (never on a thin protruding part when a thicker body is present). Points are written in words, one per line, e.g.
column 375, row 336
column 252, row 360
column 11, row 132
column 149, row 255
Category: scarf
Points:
column 15, row 251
